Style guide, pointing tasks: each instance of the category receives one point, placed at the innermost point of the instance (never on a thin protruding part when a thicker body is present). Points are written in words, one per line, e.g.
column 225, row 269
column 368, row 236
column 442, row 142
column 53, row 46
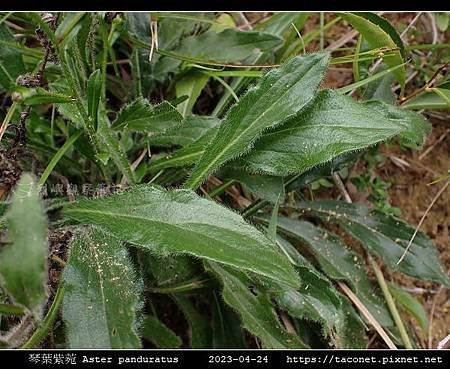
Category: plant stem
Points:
column 60, row 153
column 12, row 309
column 391, row 304
column 47, row 323
column 219, row 189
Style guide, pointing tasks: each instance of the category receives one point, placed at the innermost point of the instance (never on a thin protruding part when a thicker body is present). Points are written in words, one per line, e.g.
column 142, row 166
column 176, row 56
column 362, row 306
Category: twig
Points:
column 441, row 345
column 367, row 314
column 427, row 85
column 422, row 220
column 439, row 140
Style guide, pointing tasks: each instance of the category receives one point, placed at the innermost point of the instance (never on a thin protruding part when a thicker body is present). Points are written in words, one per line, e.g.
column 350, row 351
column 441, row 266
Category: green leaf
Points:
column 254, row 307
column 23, row 262
column 316, row 300
column 109, row 141
column 442, row 21
column 264, row 187
column 36, row 96
column 94, row 92
column 331, row 125
column 169, row 270
column 279, row 95
column 140, row 115
column 430, row 100
column 191, row 85
column 102, row 293
column 230, row 45
column 159, row 334
column 226, row 326
column 180, row 221
column 381, row 89
column 380, row 34
column 11, row 60
column 386, row 27
column 187, row 155
column 200, row 332
column 410, row 303
column 385, row 236
column 350, row 329
column 192, row 128
column 337, row 261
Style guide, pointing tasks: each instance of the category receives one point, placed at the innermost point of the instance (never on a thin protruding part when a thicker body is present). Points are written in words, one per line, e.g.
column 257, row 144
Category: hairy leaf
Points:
column 94, row 92
column 23, row 262
column 264, row 187
column 316, row 299
column 187, row 155
column 385, row 236
column 201, row 334
column 254, row 307
column 226, row 326
column 192, row 128
column 102, row 293
column 159, row 334
column 279, row 95
column 350, row 329
column 331, row 125
column 337, row 261
column 179, row 221
column 140, row 115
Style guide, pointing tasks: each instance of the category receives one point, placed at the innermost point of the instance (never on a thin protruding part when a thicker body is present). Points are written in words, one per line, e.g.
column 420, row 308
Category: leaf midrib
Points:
column 252, row 124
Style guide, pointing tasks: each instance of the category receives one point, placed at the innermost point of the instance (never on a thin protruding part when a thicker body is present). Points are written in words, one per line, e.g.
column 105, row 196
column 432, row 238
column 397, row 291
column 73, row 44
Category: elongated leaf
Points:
column 187, row 155
column 140, row 115
column 279, row 95
column 35, row 96
column 109, row 141
column 331, row 125
column 350, row 329
column 385, row 236
column 386, row 27
column 23, row 262
column 192, row 128
column 264, row 187
column 338, row 262
column 410, row 303
column 229, row 45
column 170, row 270
column 226, row 326
column 190, row 85
column 102, row 293
column 377, row 35
column 179, row 221
column 254, row 307
column 316, row 300
column 159, row 334
column 430, row 100
column 94, row 91
column 11, row 60
column 201, row 334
